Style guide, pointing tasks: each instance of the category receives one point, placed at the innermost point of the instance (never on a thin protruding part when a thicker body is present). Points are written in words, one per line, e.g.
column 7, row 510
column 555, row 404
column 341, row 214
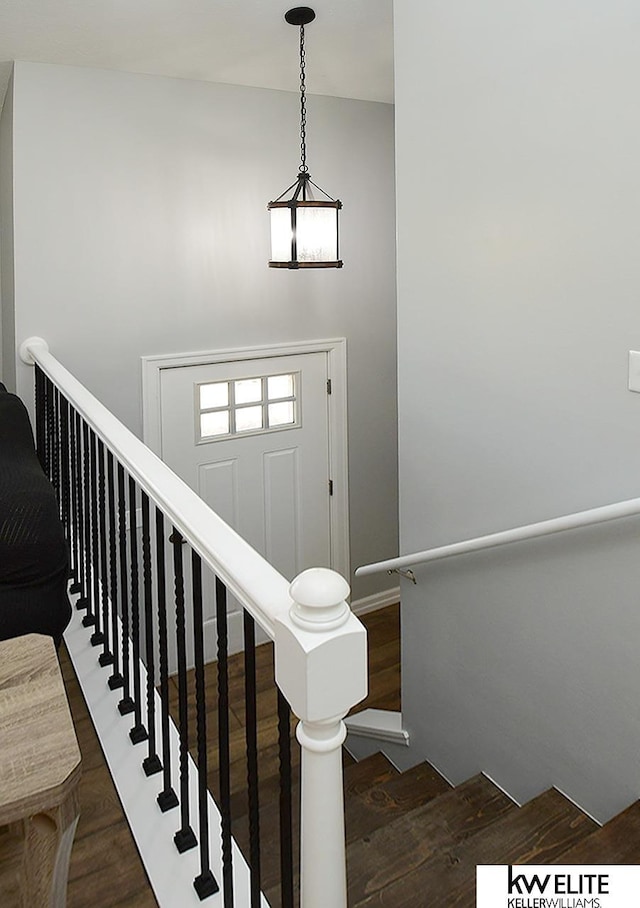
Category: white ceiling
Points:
column 245, row 42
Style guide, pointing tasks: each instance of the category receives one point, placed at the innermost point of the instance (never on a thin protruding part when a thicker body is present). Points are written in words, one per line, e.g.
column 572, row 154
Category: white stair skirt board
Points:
column 376, row 601
column 379, row 724
column 171, row 874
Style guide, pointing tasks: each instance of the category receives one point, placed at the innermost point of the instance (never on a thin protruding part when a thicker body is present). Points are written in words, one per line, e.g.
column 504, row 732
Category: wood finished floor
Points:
column 105, row 870
column 412, row 839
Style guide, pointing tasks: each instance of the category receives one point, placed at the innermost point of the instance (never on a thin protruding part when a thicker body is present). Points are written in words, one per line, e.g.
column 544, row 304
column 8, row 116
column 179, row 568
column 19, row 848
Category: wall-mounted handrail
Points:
column 604, row 514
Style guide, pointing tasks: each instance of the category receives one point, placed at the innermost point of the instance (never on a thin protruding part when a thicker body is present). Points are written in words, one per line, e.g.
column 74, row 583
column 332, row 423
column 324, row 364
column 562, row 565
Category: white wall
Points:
column 518, row 142
column 141, row 228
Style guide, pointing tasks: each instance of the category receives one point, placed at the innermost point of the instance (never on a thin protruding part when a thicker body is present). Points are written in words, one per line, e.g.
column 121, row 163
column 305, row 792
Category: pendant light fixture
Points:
column 304, row 229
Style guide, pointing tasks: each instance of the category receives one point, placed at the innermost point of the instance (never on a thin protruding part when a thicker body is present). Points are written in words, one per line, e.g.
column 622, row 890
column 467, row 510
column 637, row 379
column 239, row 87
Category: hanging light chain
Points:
column 303, row 107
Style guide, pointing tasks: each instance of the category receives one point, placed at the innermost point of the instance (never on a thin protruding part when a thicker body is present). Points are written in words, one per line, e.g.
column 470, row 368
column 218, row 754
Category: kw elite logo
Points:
column 588, row 886
column 608, row 886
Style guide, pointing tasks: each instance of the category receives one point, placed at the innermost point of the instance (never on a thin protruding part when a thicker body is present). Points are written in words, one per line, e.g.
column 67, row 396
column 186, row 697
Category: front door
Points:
column 251, row 437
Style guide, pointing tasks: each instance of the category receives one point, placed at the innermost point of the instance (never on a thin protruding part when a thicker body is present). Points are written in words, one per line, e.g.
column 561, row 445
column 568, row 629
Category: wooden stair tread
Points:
column 359, row 778
column 373, row 770
column 365, row 810
column 538, row 833
column 617, row 842
column 393, row 853
column 373, row 807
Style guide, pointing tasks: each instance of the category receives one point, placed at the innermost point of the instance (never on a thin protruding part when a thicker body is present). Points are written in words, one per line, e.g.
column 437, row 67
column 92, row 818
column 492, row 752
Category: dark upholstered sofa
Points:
column 33, row 550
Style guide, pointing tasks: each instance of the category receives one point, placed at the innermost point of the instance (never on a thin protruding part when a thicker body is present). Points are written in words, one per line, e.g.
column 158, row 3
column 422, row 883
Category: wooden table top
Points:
column 39, row 754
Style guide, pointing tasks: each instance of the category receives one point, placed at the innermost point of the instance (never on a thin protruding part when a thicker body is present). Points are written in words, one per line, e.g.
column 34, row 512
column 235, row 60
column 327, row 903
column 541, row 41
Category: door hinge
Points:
column 328, row 386
column 331, row 487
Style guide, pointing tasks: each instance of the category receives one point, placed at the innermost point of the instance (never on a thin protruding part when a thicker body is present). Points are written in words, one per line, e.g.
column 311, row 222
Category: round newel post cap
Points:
column 319, row 596
column 25, row 352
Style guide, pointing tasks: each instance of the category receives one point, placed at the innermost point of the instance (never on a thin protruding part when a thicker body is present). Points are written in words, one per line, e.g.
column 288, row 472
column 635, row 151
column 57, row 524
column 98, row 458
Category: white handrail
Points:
column 258, row 586
column 320, row 646
column 629, row 508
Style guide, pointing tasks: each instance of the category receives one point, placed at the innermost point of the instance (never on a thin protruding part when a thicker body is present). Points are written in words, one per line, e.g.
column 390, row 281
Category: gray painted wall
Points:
column 518, row 188
column 141, row 228
column 7, row 326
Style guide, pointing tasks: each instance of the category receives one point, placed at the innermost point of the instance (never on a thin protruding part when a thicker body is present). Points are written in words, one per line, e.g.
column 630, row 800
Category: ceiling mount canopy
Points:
column 304, row 229
column 300, row 15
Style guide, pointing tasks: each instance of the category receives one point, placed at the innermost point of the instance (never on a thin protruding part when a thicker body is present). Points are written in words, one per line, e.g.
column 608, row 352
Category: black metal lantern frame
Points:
column 304, row 230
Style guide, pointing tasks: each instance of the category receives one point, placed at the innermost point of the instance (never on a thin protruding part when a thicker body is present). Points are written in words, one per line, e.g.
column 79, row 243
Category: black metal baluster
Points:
column 55, row 435
column 205, row 883
column 51, row 431
column 40, row 416
column 151, row 764
column 59, row 453
column 83, row 517
column 115, row 680
column 167, row 798
column 106, row 657
column 65, row 483
column 125, row 706
column 97, row 637
column 138, row 733
column 251, row 733
column 44, row 459
column 76, row 556
column 90, row 618
column 45, row 425
column 185, row 837
column 53, row 442
column 52, row 434
column 60, row 456
column 286, row 804
column 49, row 428
column 223, row 741
column 80, row 529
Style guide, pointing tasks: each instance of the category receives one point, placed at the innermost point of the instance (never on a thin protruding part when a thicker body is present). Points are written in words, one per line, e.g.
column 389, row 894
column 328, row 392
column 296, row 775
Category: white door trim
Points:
column 336, row 350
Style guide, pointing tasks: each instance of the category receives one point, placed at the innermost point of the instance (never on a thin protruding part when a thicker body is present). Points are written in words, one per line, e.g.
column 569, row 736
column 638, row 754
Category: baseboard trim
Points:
column 380, row 724
column 502, row 789
column 376, row 601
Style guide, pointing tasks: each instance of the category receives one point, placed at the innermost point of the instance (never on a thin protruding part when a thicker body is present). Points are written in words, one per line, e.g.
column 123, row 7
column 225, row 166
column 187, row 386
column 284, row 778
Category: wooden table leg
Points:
column 10, row 865
column 48, row 840
column 40, row 767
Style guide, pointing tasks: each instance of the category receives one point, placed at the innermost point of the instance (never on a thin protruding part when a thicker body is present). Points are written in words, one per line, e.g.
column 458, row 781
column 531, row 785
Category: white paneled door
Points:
column 251, row 436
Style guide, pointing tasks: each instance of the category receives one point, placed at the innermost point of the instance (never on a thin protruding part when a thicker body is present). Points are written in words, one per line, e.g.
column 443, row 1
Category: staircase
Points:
column 414, row 841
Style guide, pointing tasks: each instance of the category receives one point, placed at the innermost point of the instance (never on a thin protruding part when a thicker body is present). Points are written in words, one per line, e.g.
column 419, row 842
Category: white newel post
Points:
column 321, row 668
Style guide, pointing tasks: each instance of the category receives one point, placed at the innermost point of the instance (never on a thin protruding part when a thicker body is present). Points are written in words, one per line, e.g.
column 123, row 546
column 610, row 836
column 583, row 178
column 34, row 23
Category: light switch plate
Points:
column 634, row 370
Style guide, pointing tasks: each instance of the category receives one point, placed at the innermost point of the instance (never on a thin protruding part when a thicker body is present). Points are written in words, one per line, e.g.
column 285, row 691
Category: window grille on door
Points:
column 246, row 406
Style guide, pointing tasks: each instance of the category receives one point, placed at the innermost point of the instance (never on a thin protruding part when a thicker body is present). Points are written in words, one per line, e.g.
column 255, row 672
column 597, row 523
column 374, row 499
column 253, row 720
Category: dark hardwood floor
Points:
column 105, row 868
column 106, row 871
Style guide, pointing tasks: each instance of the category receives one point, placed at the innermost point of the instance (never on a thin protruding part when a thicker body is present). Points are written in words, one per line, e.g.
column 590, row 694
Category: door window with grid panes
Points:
column 245, row 406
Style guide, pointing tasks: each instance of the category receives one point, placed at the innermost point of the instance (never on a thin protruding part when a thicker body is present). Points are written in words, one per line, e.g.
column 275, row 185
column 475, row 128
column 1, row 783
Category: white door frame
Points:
column 336, row 350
